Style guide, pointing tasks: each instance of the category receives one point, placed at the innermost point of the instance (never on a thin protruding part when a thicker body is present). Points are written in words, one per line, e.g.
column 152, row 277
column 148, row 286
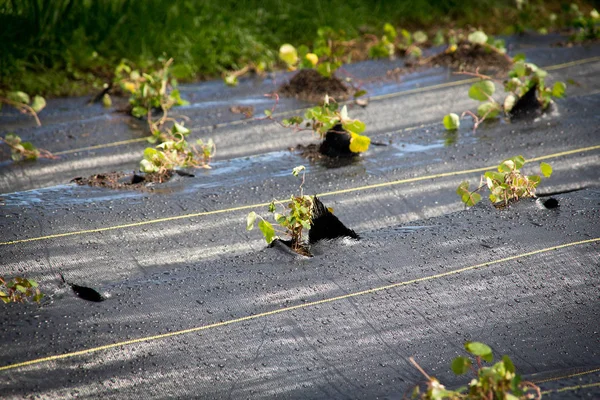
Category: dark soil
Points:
column 470, row 57
column 122, row 180
column 527, row 107
column 309, row 85
column 301, row 250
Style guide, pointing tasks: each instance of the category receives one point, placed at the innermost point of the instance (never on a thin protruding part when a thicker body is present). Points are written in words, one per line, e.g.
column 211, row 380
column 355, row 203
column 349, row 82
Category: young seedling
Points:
column 177, row 153
column 329, row 123
column 293, row 224
column 506, row 185
column 22, row 102
column 24, row 150
column 18, row 290
column 499, row 381
column 405, row 43
column 526, row 92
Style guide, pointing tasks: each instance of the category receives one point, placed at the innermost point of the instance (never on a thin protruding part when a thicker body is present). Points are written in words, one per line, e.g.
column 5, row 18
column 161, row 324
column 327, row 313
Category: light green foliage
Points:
column 478, row 37
column 150, row 90
column 23, row 102
column 296, row 217
column 451, row 121
column 523, row 76
column 19, row 290
column 587, row 27
column 323, row 118
column 20, row 150
column 177, row 153
column 506, row 185
column 499, row 381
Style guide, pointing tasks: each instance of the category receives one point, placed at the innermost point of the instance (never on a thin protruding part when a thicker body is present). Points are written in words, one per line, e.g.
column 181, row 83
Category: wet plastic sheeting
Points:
column 71, row 124
column 540, row 309
column 177, row 256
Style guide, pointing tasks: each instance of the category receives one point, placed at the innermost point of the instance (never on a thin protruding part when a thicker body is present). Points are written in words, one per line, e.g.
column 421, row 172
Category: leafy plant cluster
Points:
column 24, row 103
column 323, row 118
column 586, row 27
column 412, row 44
column 293, row 223
column 18, row 290
column 522, row 78
column 156, row 90
column 506, row 185
column 24, row 150
column 498, row 381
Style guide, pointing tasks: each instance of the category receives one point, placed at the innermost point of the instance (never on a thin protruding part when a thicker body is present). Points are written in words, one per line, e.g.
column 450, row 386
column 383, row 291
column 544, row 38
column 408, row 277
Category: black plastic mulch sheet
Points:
column 339, row 325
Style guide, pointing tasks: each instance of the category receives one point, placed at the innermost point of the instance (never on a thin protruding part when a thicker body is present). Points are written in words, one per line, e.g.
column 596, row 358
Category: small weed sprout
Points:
column 18, row 290
column 499, row 381
column 323, row 118
column 522, row 78
column 506, row 185
column 405, row 43
column 24, row 150
column 297, row 219
column 22, row 102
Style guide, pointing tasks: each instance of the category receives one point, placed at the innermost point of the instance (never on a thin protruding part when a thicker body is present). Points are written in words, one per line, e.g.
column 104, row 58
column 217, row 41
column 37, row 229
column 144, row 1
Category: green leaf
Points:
column 38, row 297
column 250, row 219
column 298, row 169
column 519, row 161
column 481, row 90
column 390, row 31
column 360, row 93
column 19, row 97
column 268, row 113
column 106, row 101
column 181, row 129
column 32, row 283
column 519, row 57
column 354, row 126
column 231, row 80
column 460, row 365
column 419, row 37
column 451, row 121
column 558, row 90
column 267, row 230
column 139, row 111
column 39, row 103
column 546, row 169
column 288, row 54
column 21, row 288
column 509, row 102
column 478, row 37
column 462, row 188
column 508, row 364
column 480, row 349
column 488, row 110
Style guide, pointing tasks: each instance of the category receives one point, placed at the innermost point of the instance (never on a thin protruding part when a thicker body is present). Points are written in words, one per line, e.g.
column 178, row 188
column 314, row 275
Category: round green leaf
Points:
column 39, row 103
column 546, row 169
column 267, row 230
column 478, row 37
column 419, row 37
column 558, row 90
column 359, row 143
column 250, row 220
column 480, row 349
column 460, row 365
column 288, row 54
column 482, row 90
column 488, row 110
column 451, row 121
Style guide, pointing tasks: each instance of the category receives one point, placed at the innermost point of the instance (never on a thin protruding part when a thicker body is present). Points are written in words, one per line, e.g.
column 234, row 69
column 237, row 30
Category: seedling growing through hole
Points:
column 328, row 119
column 499, row 381
column 526, row 92
column 507, row 185
column 24, row 150
column 297, row 219
column 19, row 290
column 22, row 102
column 177, row 153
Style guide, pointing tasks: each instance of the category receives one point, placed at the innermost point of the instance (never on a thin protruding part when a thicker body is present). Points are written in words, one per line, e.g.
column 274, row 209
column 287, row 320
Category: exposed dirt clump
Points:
column 122, row 180
column 470, row 57
column 310, row 85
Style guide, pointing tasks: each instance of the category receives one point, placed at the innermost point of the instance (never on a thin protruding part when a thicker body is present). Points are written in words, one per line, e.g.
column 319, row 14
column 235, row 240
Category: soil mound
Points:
column 470, row 56
column 309, row 85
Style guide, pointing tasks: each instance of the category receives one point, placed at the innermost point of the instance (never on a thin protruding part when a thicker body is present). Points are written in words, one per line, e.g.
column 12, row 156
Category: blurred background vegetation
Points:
column 66, row 47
